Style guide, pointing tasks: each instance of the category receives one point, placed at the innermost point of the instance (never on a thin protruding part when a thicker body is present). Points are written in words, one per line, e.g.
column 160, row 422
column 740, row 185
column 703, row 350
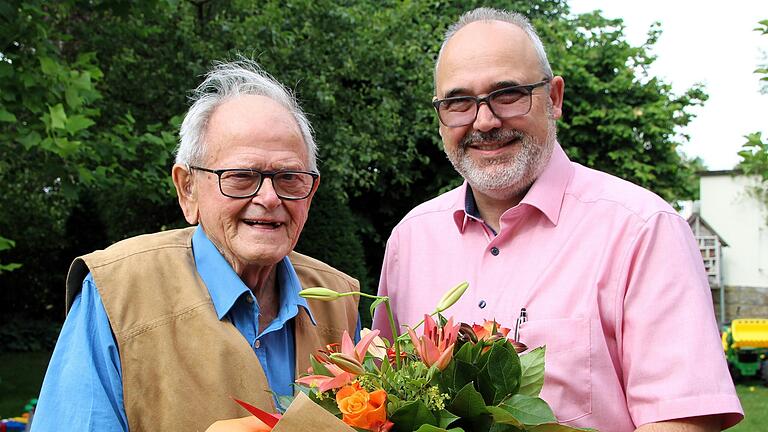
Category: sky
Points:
column 708, row 42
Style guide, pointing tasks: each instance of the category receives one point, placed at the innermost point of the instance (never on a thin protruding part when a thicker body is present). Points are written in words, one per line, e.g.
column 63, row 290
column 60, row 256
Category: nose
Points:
column 486, row 120
column 267, row 196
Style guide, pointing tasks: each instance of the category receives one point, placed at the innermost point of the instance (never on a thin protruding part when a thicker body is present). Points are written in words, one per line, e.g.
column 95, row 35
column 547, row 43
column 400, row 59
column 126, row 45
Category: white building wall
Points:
column 740, row 219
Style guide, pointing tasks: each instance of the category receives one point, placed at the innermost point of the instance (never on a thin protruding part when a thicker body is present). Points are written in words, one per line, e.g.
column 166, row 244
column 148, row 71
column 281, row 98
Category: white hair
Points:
column 486, row 14
column 224, row 82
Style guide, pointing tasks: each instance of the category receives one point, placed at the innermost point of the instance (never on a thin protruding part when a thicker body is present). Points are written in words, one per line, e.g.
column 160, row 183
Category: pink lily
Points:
column 339, row 377
column 435, row 347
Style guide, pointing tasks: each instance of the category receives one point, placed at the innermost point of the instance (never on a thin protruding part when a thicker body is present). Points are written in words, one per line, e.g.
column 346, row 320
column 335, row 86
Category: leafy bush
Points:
column 31, row 335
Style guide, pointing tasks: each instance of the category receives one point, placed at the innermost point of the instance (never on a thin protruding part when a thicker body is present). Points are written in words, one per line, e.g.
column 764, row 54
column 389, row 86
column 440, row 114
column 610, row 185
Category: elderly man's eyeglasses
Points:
column 504, row 103
column 245, row 183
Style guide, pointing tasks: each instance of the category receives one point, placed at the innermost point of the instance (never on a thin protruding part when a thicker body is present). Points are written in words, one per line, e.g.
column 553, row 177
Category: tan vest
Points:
column 180, row 364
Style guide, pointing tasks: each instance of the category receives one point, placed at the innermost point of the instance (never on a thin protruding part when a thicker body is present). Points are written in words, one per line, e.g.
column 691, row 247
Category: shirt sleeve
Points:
column 672, row 358
column 82, row 389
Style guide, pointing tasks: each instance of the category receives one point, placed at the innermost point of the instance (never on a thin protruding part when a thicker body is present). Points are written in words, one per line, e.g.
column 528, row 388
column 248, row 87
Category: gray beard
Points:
column 506, row 176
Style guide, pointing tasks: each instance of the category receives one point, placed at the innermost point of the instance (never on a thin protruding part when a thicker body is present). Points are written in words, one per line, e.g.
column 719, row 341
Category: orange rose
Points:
column 362, row 409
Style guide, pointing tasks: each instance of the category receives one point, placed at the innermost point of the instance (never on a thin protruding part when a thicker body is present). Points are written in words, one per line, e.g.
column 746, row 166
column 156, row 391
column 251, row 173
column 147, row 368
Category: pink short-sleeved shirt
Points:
column 612, row 281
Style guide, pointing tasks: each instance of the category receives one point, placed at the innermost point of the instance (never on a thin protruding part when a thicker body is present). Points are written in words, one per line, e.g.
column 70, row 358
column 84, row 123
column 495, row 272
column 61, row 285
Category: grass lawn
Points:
column 21, row 375
column 754, row 400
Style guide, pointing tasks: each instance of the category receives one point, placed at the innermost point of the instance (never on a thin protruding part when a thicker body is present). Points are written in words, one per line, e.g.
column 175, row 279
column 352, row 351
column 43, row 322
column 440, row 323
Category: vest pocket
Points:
column 567, row 368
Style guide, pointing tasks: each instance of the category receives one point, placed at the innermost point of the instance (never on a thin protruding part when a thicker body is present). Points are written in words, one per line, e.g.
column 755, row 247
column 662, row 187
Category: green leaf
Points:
column 500, row 415
column 445, row 418
column 65, row 147
column 83, row 81
column 85, row 175
column 327, row 403
column 318, row 368
column 29, row 140
column 9, row 267
column 6, row 244
column 49, row 66
column 464, row 353
column 532, row 377
column 77, row 123
column 412, row 415
column 457, row 375
column 504, row 370
column 58, row 116
column 430, row 428
column 468, row 403
column 73, row 97
column 377, row 302
column 529, row 410
column 6, row 116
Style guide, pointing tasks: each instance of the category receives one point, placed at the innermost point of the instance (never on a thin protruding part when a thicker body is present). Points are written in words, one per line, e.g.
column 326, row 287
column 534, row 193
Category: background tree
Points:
column 91, row 95
column 754, row 153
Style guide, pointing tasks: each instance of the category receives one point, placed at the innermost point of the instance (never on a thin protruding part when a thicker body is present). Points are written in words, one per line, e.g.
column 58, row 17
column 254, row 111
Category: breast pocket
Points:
column 567, row 368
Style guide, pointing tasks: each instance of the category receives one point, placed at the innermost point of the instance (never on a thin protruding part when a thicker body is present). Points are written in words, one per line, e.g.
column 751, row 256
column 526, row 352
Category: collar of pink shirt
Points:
column 546, row 194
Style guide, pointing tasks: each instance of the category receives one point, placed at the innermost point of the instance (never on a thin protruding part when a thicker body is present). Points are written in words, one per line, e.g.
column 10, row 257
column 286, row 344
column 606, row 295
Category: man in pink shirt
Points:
column 609, row 275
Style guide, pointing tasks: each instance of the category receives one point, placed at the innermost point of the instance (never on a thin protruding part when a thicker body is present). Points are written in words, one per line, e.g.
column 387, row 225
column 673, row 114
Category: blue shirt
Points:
column 83, row 390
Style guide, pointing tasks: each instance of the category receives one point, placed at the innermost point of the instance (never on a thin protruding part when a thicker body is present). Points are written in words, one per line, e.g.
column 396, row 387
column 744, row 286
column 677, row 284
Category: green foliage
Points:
column 6, row 244
column 754, row 153
column 28, row 335
column 763, row 70
column 91, row 94
column 617, row 118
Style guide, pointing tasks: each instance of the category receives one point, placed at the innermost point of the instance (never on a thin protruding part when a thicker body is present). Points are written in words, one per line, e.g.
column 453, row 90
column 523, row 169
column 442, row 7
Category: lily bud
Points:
column 452, row 296
column 347, row 363
column 319, row 293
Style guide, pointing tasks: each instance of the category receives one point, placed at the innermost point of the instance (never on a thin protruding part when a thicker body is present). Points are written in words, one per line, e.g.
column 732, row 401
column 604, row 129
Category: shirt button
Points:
column 249, row 298
column 481, row 305
column 494, row 251
column 257, row 344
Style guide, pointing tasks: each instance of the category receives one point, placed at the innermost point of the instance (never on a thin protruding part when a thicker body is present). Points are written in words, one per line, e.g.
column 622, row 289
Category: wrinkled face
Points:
column 499, row 158
column 251, row 132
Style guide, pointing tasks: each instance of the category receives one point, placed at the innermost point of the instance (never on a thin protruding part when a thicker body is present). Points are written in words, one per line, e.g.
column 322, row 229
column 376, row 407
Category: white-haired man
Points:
column 162, row 329
column 607, row 275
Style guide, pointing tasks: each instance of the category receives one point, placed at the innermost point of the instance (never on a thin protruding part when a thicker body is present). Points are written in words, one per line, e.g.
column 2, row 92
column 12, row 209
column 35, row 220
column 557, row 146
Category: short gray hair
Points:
column 224, row 82
column 489, row 14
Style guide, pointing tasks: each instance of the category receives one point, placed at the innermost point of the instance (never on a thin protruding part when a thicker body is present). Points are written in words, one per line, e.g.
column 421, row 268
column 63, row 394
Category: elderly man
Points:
column 163, row 328
column 606, row 274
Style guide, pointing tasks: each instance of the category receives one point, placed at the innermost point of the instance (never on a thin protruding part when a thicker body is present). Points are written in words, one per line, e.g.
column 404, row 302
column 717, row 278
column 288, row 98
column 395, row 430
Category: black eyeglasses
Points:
column 504, row 103
column 245, row 183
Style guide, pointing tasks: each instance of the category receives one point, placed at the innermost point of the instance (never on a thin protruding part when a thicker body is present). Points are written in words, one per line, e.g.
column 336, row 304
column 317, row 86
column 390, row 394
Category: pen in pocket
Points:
column 521, row 319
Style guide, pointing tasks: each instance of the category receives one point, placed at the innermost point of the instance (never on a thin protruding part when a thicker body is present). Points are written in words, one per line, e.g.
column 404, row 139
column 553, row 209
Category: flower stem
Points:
column 395, row 336
column 393, row 328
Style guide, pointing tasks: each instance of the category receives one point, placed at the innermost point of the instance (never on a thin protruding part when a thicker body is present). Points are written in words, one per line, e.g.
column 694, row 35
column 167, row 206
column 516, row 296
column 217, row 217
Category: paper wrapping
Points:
column 305, row 415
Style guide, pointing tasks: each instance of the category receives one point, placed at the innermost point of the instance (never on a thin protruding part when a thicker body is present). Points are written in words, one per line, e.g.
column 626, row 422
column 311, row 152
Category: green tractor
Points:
column 746, row 347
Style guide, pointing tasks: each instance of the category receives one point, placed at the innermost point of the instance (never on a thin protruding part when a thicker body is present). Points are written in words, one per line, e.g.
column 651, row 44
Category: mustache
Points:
column 496, row 135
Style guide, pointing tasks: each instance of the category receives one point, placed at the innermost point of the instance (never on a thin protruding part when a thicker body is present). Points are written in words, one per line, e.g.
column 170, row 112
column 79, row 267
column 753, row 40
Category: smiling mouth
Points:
column 253, row 222
column 486, row 146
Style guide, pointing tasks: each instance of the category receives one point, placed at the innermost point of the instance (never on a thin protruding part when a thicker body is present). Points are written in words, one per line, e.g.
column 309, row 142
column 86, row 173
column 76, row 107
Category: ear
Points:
column 187, row 192
column 556, row 90
column 439, row 124
column 312, row 194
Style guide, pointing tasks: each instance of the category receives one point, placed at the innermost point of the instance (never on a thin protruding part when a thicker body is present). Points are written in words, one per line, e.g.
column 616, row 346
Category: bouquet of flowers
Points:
column 448, row 377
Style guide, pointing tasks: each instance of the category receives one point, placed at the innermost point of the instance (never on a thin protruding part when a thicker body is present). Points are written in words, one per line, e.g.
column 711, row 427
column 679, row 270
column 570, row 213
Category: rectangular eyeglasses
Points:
column 504, row 103
column 246, row 183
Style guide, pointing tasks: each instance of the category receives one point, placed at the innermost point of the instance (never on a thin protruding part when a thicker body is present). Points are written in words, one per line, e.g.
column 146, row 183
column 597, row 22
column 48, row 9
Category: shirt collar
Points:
column 546, row 194
column 225, row 286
